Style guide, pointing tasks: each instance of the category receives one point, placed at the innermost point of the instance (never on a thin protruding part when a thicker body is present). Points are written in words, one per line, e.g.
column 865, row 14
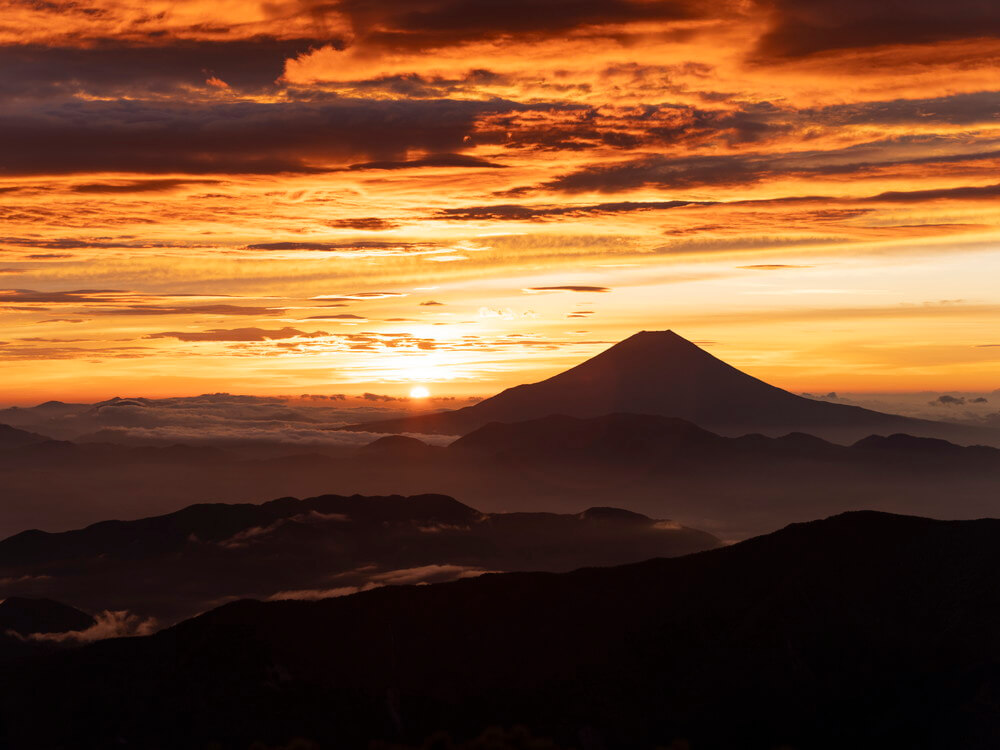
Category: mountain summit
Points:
column 660, row 372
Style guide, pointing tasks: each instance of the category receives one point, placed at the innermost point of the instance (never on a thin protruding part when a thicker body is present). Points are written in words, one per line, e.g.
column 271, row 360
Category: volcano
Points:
column 662, row 373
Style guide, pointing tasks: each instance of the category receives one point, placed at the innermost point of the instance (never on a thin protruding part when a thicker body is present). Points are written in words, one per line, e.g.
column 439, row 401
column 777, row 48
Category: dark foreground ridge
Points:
column 659, row 372
column 177, row 565
column 865, row 630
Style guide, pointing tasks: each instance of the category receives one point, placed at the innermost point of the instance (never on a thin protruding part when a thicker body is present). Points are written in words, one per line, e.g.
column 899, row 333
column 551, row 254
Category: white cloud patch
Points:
column 109, row 624
column 422, row 575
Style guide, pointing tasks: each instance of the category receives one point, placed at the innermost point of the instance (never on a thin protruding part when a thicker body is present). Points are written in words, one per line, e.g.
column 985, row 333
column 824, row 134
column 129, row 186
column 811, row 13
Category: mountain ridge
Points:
column 794, row 642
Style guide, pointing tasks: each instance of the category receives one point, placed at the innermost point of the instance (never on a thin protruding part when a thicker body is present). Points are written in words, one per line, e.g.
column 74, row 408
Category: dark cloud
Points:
column 360, row 246
column 369, row 223
column 985, row 192
column 237, row 138
column 804, row 27
column 568, row 288
column 416, row 86
column 981, row 107
column 426, row 24
column 138, row 186
column 77, row 244
column 434, row 160
column 189, row 310
column 114, row 68
column 431, row 303
column 946, row 400
column 235, row 334
column 749, row 168
column 515, row 212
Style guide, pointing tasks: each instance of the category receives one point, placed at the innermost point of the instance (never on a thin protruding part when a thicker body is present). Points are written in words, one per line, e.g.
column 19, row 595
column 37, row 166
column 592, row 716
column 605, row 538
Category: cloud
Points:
column 752, row 167
column 517, row 212
column 401, row 577
column 109, row 624
column 119, row 67
column 434, row 160
column 137, row 186
column 359, row 296
column 946, row 400
column 236, row 334
column 567, row 288
column 401, row 25
column 369, row 223
column 232, row 138
column 800, row 28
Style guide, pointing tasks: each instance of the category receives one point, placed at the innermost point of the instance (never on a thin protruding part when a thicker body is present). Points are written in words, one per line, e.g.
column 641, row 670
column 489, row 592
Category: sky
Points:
column 368, row 195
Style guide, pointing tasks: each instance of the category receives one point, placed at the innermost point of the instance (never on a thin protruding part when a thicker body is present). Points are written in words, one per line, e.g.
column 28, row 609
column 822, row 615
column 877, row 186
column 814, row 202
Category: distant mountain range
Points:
column 204, row 555
column 865, row 630
column 661, row 373
column 663, row 467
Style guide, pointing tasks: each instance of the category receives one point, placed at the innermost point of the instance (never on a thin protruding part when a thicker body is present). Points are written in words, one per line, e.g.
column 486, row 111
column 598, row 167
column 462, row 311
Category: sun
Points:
column 419, row 391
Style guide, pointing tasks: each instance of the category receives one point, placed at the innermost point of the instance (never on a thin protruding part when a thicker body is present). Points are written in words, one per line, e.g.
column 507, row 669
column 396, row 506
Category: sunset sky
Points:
column 368, row 195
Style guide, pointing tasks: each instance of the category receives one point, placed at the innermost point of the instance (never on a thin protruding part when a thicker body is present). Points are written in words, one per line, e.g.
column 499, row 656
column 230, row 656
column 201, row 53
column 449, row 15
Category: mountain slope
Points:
column 206, row 554
column 865, row 630
column 659, row 372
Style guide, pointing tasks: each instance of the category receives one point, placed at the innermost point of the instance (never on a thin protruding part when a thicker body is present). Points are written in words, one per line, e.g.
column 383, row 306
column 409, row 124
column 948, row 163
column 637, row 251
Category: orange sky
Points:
column 356, row 195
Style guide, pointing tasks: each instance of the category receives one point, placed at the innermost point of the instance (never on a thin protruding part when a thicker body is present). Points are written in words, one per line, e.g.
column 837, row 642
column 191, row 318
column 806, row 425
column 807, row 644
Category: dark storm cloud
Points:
column 236, row 138
column 804, row 27
column 236, row 334
column 108, row 67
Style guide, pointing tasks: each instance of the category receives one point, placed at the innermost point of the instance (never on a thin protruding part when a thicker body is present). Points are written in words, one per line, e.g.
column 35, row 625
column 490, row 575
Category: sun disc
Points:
column 419, row 391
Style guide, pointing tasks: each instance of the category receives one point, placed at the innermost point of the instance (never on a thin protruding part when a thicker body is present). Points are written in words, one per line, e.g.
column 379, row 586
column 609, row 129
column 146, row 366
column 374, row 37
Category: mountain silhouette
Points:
column 12, row 437
column 865, row 630
column 26, row 616
column 23, row 617
column 289, row 548
column 659, row 372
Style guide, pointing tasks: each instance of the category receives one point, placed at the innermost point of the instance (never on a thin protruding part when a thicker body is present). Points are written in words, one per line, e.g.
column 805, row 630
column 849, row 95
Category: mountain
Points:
column 288, row 548
column 11, row 437
column 865, row 630
column 659, row 372
column 732, row 487
column 23, row 617
column 27, row 616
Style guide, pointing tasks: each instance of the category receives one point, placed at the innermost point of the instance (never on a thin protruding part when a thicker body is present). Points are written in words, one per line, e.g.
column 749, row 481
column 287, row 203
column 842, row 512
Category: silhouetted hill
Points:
column 865, row 630
column 26, row 616
column 22, row 617
column 11, row 437
column 647, row 441
column 659, row 372
column 204, row 555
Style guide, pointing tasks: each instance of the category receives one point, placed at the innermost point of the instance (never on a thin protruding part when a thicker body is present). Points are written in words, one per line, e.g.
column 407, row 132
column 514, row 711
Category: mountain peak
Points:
column 664, row 374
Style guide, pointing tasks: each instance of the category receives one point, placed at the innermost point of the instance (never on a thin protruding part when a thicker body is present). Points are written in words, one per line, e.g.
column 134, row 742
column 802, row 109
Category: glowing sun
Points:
column 419, row 391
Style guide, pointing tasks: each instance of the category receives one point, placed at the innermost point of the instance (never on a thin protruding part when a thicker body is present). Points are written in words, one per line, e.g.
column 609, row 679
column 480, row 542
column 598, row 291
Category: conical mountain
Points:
column 660, row 372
